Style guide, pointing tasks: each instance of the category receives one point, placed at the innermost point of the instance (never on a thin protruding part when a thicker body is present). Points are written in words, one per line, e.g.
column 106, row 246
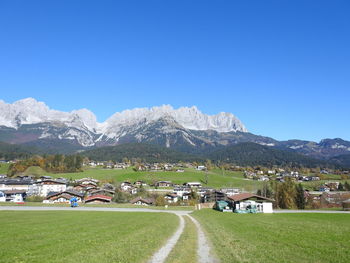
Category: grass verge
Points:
column 277, row 237
column 53, row 236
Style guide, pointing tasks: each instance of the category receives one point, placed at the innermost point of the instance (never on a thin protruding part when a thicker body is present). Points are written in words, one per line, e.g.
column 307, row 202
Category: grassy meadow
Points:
column 60, row 236
column 277, row 237
column 216, row 178
column 4, row 168
column 110, row 205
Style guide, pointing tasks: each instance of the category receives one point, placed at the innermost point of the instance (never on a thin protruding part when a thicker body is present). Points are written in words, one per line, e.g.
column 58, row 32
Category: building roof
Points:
column 98, row 197
column 69, row 192
column 66, row 196
column 144, row 200
column 55, row 181
column 13, row 181
column 8, row 192
column 246, row 196
column 172, row 195
column 102, row 190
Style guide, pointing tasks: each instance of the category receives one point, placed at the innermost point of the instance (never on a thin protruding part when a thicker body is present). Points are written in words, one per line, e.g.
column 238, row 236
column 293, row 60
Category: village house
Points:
column 186, row 196
column 84, row 188
column 142, row 201
column 98, row 199
column 125, row 186
column 193, row 184
column 87, row 182
column 16, row 196
column 171, row 198
column 163, row 184
column 50, row 185
column 120, row 166
column 128, row 187
column 213, row 196
column 63, row 197
column 133, row 190
column 140, row 183
column 324, row 188
column 201, row 168
column 109, row 165
column 2, row 197
column 333, row 186
column 16, row 184
column 180, row 191
column 230, row 191
column 106, row 192
column 92, row 164
column 242, row 202
column 264, row 179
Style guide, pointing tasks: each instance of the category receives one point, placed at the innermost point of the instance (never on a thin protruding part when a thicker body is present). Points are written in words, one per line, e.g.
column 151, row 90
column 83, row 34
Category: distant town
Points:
column 321, row 188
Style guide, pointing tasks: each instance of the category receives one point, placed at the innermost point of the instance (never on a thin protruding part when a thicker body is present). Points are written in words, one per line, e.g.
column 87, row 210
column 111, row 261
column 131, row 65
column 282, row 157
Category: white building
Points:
column 2, row 197
column 201, row 168
column 51, row 185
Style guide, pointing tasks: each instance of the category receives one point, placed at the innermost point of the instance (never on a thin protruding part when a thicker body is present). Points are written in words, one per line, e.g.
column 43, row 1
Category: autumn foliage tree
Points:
column 51, row 163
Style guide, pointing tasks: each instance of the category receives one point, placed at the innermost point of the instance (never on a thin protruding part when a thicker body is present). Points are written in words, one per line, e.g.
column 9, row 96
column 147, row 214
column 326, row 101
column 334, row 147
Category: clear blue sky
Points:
column 282, row 67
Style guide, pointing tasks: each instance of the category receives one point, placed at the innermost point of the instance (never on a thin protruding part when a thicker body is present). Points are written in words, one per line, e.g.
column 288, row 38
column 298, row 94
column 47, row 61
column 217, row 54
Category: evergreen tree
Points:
column 285, row 194
column 347, row 186
column 300, row 197
column 340, row 187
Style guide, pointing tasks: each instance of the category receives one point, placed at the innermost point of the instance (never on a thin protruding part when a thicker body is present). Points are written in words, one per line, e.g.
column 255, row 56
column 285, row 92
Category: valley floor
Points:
column 73, row 234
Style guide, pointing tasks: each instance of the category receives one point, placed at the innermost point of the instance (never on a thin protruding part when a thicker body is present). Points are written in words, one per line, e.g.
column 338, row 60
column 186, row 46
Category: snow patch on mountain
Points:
column 189, row 118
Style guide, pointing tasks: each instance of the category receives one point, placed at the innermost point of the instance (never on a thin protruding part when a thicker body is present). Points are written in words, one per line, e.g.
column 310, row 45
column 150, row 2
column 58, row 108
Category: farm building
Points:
column 247, row 202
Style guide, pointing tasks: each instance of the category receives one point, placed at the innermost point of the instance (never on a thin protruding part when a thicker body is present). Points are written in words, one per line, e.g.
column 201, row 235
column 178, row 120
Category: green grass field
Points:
column 277, row 237
column 215, row 178
column 4, row 168
column 53, row 236
column 111, row 205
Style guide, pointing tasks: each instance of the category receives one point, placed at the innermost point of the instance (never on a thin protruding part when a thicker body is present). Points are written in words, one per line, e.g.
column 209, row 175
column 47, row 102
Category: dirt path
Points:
column 203, row 250
column 161, row 255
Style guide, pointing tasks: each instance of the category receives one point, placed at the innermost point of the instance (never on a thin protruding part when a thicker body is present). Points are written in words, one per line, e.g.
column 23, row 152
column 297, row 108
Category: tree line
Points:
column 57, row 163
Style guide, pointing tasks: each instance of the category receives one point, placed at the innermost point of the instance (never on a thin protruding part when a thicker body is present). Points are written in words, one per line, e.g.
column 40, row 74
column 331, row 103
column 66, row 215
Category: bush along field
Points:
column 59, row 236
column 277, row 237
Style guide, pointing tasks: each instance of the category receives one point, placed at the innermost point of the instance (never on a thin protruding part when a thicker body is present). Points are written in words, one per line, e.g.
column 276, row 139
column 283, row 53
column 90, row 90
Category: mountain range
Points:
column 29, row 122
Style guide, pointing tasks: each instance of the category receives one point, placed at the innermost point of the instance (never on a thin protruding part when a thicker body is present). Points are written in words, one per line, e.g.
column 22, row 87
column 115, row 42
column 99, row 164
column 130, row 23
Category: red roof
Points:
column 101, row 197
column 246, row 196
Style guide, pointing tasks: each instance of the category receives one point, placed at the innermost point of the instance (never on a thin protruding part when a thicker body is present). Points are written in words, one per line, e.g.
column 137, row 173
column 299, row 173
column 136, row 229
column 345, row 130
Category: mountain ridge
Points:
column 186, row 129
